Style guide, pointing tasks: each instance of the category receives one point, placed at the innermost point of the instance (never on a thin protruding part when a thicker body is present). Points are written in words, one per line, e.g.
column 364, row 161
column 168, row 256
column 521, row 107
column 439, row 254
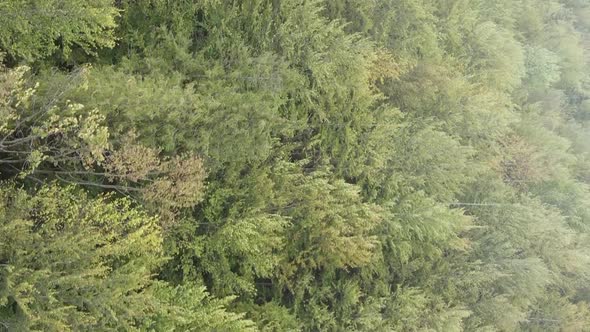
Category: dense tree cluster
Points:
column 294, row 165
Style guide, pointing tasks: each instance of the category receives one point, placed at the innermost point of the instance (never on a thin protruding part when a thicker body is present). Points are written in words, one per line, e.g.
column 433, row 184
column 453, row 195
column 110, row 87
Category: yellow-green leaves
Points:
column 33, row 30
column 68, row 260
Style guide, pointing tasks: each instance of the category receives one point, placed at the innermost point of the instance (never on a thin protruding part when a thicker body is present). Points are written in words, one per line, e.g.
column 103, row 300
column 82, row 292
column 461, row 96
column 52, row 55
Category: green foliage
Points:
column 542, row 68
column 497, row 59
column 191, row 308
column 33, row 30
column 293, row 165
column 70, row 262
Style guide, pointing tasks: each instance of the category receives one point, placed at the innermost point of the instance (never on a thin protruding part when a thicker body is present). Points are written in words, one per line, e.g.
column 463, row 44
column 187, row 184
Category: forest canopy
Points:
column 294, row 165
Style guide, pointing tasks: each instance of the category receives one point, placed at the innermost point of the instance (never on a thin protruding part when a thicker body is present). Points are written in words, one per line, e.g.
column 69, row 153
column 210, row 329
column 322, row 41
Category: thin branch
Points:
column 20, row 140
column 18, row 161
column 100, row 185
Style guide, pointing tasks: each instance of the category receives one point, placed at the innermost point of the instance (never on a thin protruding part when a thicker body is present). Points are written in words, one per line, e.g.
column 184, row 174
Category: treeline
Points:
column 294, row 165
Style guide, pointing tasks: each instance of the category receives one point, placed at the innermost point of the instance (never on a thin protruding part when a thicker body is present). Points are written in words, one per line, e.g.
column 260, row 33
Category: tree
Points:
column 71, row 262
column 33, row 30
column 323, row 165
column 69, row 142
